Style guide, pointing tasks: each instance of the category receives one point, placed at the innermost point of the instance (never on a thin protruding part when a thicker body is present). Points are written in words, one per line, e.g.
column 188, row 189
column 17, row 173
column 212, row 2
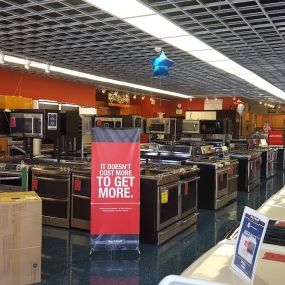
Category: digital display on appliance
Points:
column 52, row 121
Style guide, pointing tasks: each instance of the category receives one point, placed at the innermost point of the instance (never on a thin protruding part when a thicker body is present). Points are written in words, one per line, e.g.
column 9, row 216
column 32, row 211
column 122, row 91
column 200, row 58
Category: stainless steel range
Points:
column 52, row 184
column 213, row 185
column 14, row 176
column 168, row 201
column 249, row 168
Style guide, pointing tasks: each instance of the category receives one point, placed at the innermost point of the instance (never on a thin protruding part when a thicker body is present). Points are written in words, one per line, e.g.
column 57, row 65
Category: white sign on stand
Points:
column 250, row 238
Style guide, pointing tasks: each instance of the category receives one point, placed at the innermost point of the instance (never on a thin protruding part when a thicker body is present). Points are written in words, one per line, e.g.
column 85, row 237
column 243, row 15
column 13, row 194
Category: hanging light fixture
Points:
column 260, row 102
column 190, row 99
column 27, row 64
column 216, row 98
column 234, row 98
column 135, row 96
column 116, row 92
column 143, row 97
column 103, row 90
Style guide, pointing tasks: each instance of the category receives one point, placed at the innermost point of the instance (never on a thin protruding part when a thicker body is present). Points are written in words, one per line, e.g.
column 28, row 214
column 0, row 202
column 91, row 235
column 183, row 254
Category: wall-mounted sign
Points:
column 178, row 111
column 118, row 99
column 271, row 110
column 212, row 104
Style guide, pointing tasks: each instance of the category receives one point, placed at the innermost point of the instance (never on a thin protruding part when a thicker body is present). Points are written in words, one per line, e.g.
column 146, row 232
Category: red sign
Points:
column 77, row 185
column 276, row 137
column 115, row 189
column 12, row 122
column 35, row 184
column 274, row 256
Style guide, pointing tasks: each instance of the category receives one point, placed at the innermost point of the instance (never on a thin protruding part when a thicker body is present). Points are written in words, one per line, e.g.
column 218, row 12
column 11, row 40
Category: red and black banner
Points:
column 115, row 189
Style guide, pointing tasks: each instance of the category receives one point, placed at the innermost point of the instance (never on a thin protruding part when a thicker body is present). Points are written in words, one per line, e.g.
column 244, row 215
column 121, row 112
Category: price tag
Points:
column 77, row 185
column 231, row 170
column 35, row 184
column 164, row 197
column 12, row 122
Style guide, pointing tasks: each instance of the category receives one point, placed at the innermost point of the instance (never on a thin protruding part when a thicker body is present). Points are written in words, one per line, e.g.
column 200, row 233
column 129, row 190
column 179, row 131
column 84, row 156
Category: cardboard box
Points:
column 20, row 238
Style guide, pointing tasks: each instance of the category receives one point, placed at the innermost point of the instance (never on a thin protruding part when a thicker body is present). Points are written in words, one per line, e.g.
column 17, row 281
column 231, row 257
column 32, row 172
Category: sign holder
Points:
column 250, row 237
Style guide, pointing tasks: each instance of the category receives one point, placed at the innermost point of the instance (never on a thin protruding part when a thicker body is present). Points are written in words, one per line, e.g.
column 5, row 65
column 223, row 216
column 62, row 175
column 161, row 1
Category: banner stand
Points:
column 115, row 189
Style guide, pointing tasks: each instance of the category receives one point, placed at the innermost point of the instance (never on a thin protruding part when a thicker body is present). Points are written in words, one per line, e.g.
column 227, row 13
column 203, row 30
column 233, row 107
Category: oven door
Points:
column 221, row 182
column 51, row 187
column 167, row 205
column 188, row 196
column 257, row 173
column 80, row 201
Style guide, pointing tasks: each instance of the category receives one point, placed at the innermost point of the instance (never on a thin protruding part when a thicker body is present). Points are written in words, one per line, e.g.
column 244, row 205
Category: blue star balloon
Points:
column 161, row 65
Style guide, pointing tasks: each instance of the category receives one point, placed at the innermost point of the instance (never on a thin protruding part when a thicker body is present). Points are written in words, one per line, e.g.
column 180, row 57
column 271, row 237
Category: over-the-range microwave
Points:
column 190, row 126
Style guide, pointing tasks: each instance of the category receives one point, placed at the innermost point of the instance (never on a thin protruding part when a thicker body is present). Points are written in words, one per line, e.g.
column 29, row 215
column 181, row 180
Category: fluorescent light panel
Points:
column 147, row 20
column 53, row 68
column 122, row 8
column 156, row 26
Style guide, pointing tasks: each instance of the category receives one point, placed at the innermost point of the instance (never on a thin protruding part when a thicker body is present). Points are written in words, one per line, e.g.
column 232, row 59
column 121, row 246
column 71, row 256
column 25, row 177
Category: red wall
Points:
column 24, row 84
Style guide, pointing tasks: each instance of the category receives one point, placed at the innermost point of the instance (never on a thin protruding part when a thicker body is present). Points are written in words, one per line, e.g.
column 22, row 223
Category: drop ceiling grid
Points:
column 74, row 34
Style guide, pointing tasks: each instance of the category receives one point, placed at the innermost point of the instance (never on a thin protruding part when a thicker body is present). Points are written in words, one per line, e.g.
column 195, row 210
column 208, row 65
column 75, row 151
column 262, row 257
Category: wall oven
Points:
column 108, row 122
column 26, row 125
column 212, row 127
column 190, row 127
column 158, row 126
column 52, row 184
column 80, row 198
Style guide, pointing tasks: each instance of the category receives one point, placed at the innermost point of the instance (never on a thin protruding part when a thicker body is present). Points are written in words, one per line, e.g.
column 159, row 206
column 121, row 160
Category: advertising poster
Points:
column 251, row 233
column 115, row 189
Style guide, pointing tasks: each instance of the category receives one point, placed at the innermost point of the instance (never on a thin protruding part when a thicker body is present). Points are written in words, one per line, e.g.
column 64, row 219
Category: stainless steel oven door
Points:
column 257, row 173
column 221, row 182
column 167, row 205
column 188, row 191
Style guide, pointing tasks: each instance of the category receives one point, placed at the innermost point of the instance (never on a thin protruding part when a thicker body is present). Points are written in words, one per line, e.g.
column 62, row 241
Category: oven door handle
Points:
column 223, row 171
column 81, row 197
column 10, row 173
column 190, row 180
column 81, row 176
column 9, row 178
column 167, row 186
column 54, row 200
column 51, row 179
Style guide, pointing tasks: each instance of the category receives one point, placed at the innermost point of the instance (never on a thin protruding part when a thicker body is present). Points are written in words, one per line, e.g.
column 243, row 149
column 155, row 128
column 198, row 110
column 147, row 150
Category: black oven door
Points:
column 168, row 205
column 188, row 196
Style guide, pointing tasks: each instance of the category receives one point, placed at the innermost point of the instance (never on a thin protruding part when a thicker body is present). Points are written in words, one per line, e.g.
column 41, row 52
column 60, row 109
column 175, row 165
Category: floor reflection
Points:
column 65, row 258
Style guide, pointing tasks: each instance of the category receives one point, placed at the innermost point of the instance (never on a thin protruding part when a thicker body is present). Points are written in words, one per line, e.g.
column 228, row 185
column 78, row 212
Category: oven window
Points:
column 157, row 127
column 81, row 208
column 169, row 205
column 55, row 208
column 50, row 187
column 12, row 182
column 81, row 186
column 222, row 181
column 188, row 196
